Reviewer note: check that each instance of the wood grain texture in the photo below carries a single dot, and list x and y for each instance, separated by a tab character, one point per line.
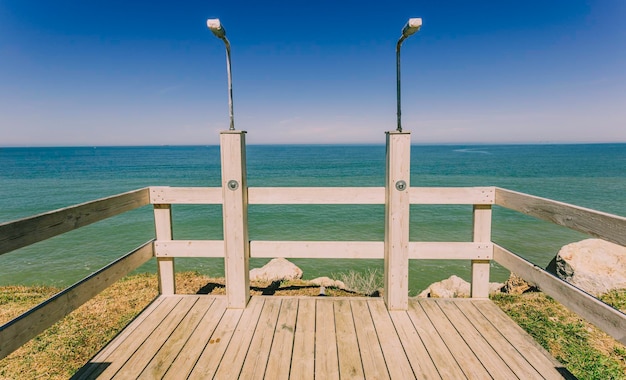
350	366
280	355
235	216
173	346
189	248
20	330
27	231
323	195
606	318
546	365
236	353
198	341
196	336
595	223
185	195
452	195
327	249
326	356
316	195
481	233
165	265
396	265
372	358
303	355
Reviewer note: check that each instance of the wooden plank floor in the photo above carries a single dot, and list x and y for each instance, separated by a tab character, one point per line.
196	337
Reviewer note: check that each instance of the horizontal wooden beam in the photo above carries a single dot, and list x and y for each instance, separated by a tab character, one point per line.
27	231
595	223
318	249
606	318
20	330
452	195
323	195
185	195
450	251
316	195
189	248
326	249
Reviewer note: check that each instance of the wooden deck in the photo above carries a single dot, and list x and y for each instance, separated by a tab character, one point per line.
195	336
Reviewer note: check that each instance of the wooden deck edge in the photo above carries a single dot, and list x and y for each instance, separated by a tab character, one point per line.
107	361
91	366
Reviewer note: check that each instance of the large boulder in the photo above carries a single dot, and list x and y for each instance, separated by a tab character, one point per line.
276	270
454	287
593	265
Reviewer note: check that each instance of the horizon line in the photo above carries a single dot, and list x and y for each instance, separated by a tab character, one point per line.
321	144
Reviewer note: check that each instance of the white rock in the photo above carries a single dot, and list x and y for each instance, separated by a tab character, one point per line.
449	288
454	287
276	270
328	282
594	265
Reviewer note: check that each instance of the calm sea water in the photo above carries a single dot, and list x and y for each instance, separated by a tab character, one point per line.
36	180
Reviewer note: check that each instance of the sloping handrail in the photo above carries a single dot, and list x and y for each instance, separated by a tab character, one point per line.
27	231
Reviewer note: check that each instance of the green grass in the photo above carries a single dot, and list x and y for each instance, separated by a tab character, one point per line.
62	349
616	298
583	349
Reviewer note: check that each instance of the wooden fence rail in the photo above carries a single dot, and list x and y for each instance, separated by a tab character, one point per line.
606	318
480	251
20	330
325	195
326	249
595	223
234	196
27	231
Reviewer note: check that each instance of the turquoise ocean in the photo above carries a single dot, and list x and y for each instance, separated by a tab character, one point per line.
37	180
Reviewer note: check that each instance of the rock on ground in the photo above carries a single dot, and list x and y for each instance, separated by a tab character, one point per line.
454	287
276	270
594	265
328	282
517	285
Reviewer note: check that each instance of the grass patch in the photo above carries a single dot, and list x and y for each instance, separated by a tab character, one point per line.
368	283
61	350
586	351
615	298
14	300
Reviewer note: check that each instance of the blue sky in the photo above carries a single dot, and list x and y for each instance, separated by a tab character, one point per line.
149	73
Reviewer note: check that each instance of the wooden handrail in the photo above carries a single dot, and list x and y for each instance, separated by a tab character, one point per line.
595	223
27	231
324	195
326	249
605	317
23	328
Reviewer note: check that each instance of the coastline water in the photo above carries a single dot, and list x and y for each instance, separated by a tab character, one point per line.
36	180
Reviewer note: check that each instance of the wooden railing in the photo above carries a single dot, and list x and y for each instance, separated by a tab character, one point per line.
476	250
396	250
595	223
27	231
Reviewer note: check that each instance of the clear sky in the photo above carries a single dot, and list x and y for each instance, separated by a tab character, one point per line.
150	73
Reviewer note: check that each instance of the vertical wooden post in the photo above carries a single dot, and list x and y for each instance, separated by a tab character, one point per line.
397	220
482	234
165	265
235	211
